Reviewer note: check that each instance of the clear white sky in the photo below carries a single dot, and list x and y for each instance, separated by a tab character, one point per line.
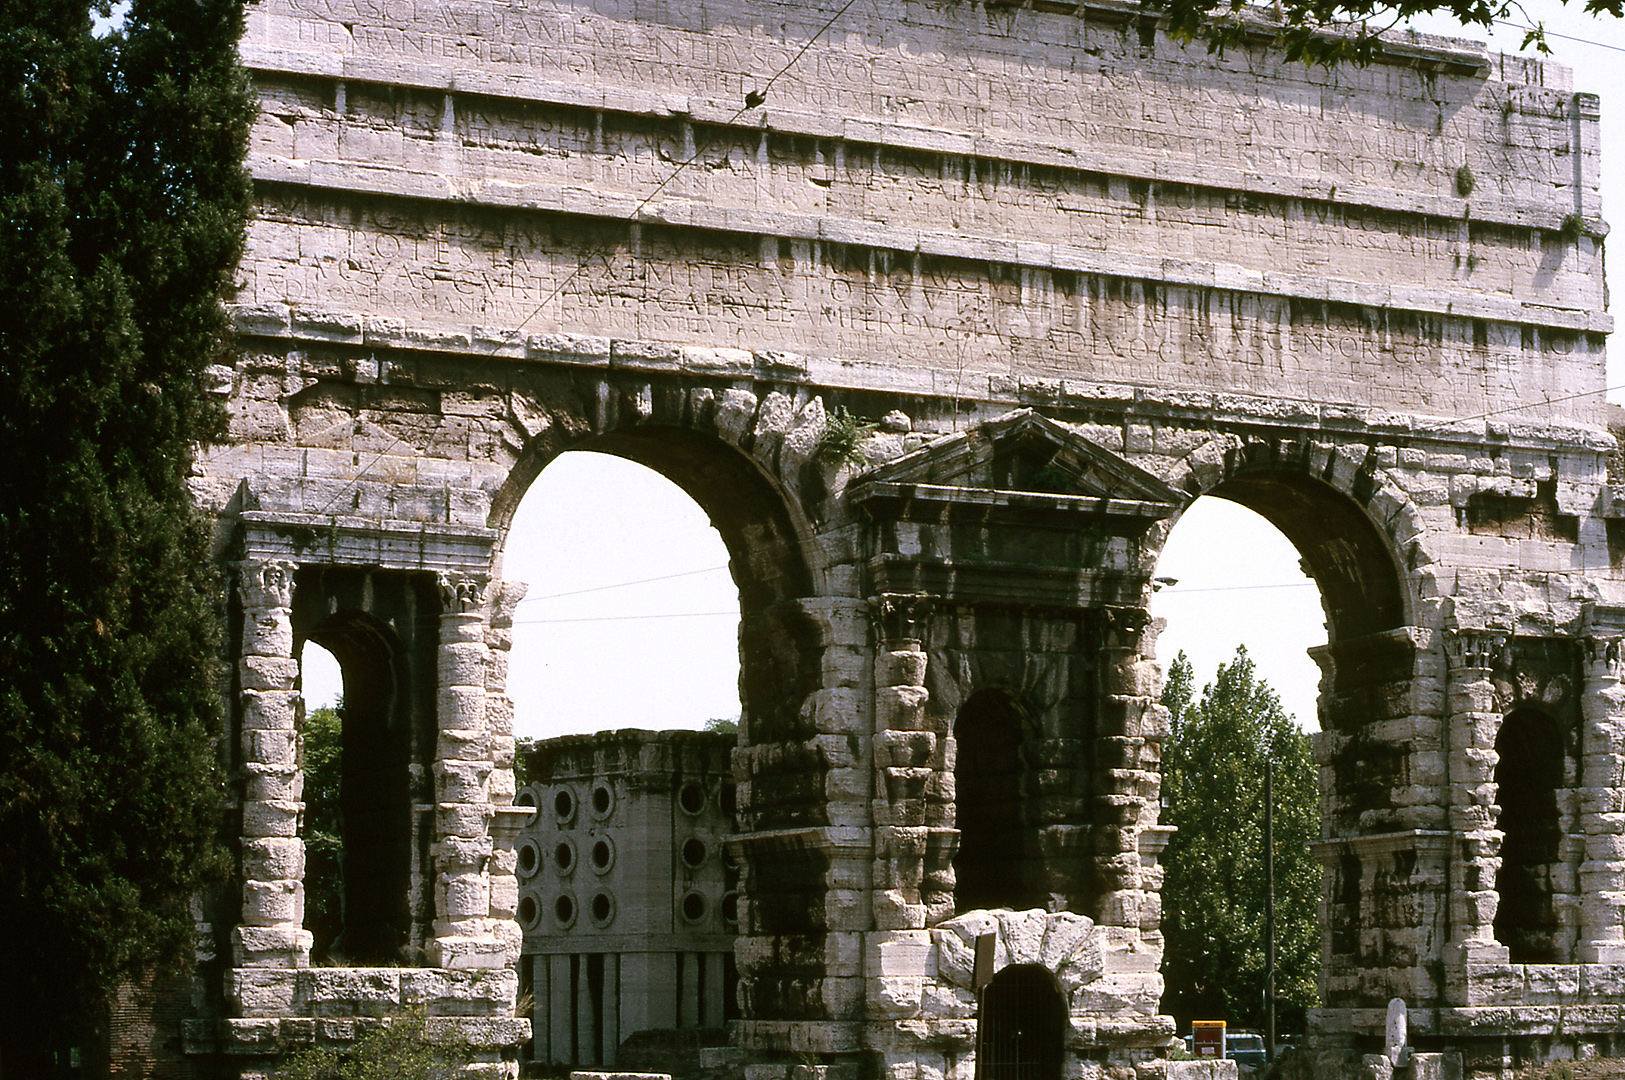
593	651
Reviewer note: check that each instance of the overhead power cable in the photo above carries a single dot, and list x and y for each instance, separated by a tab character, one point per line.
753	99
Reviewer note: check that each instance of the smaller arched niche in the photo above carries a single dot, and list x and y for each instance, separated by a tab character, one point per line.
1527	778
1022	1027
997	864
361	833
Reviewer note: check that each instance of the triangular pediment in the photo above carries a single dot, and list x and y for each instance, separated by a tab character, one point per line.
1019	457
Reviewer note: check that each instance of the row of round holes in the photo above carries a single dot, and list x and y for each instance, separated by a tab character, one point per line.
603	909
564	857
691	800
603	856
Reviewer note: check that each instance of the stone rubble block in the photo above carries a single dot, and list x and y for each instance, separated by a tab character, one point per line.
900	707
462	781
268	633
273	858
465	820
463	663
1119	993
271	747
464	953
893	998
276	673
901	668
273	903
841	996
271	818
898	953
1551	984
459	993
938	1002
1071	941
351	991
461	708
257	992
837	711
270	946
462	744
504	896
273	783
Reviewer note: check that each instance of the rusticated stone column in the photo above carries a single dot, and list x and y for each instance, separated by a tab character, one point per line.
909	756
271	931
1125	782
465	934
1474	722
508	819
1602	791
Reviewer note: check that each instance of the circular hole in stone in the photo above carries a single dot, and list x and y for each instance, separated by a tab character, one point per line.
564	804
693	907
564	856
691	797
693	853
730	908
525	798
603	800
603	855
603	909
528	910
527	859
564	911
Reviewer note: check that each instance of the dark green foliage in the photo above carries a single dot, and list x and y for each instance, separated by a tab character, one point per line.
1329	31
1213	895
122	208
323	828
405	1049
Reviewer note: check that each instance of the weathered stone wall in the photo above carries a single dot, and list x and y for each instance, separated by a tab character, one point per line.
1366	302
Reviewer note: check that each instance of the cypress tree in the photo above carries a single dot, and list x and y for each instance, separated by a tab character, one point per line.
123	203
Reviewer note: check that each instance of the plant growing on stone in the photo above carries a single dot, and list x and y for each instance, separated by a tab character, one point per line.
403	1048
124	200
842	438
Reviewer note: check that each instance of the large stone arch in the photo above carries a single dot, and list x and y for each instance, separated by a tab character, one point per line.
1380	707
465	260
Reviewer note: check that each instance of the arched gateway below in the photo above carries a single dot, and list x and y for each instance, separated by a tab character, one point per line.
944	313
1021	1031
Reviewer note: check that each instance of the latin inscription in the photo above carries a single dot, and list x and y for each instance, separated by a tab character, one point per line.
1388	127
958	318
947	194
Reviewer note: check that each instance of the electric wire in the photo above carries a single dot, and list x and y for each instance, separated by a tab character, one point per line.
753	100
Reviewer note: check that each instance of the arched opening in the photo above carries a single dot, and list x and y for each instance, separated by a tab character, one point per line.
619	561
358	825
1021	1029
995	865
1527	777
1319	580
321	684
738	542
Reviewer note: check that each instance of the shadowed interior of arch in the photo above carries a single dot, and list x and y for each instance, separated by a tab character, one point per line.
373	820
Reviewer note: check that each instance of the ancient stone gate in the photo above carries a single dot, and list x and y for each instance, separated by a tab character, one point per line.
1074	275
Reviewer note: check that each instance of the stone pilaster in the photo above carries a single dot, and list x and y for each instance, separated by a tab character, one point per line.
1125	784
508	819
270	932
1474	722
465	934
910	760
1601	795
